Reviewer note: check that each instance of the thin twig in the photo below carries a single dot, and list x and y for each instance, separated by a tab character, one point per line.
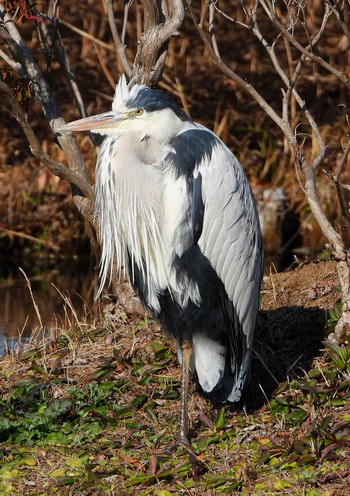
313	42
104	67
319	60
88	36
235	77
51	38
40	241
180	93
339	13
212	29
120	49
36	308
342	162
125	20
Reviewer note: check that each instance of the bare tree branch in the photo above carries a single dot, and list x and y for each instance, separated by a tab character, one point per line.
55	167
240	81
151	14
158	29
10	62
76	172
125	20
42	92
120	49
342	161
341	13
269	9
49	39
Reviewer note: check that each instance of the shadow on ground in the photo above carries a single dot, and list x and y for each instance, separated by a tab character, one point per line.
287	340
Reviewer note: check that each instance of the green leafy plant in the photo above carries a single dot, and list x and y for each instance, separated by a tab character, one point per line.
334	315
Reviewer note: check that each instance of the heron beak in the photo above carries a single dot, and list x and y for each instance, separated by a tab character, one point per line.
108	120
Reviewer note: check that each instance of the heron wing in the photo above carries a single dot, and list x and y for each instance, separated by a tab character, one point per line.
225	222
225	227
230	235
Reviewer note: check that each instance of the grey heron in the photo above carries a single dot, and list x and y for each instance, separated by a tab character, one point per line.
177	214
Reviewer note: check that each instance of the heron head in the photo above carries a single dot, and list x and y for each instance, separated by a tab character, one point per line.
135	107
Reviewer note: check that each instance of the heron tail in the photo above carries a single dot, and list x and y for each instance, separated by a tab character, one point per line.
218	373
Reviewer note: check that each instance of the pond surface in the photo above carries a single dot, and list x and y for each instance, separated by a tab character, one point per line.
73	278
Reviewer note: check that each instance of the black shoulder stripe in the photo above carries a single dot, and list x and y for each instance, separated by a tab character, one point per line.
190	148
197	209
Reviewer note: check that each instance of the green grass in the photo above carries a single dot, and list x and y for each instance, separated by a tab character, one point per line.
108	425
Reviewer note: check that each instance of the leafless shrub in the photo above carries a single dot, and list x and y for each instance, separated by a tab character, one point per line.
291	33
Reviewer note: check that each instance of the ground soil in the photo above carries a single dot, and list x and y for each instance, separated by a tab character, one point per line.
313	284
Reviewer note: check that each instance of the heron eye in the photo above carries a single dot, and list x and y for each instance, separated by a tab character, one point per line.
139	111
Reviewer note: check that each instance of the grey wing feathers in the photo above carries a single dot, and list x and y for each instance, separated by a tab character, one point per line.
230	237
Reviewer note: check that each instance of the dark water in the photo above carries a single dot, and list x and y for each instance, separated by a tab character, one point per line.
74	278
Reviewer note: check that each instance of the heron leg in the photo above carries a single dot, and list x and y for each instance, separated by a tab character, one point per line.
186	350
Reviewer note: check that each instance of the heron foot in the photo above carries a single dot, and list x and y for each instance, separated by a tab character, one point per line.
182	438
198	468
